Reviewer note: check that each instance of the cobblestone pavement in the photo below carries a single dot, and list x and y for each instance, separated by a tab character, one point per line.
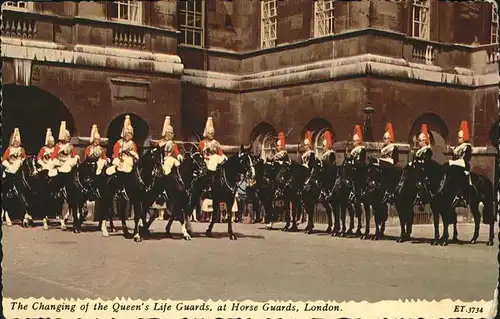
260	265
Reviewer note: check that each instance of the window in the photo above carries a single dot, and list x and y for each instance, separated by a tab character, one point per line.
420	19
192	22
268	24
318	143
18	5
268	146
494	24
323	17
126	10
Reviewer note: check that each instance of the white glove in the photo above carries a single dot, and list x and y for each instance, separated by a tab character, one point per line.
180	158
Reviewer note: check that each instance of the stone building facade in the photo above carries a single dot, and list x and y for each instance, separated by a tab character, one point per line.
257	67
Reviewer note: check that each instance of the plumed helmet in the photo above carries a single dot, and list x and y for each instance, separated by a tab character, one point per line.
327	140
64	134
167	127
16	136
424	133
127	126
389	132
308	138
48	137
281	140
464	131
357	136
209	127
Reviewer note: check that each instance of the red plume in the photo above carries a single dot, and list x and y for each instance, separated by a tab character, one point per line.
464	127
281	138
423	130
309	136
357	131
388	128
328	139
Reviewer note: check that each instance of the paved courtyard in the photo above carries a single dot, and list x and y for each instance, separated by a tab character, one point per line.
260	265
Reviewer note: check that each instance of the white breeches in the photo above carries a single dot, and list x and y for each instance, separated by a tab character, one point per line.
12	168
124	166
234	209
213	161
65	166
387	159
207	205
458	162
169	163
100	165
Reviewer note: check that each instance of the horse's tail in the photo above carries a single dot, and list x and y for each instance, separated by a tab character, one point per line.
486	202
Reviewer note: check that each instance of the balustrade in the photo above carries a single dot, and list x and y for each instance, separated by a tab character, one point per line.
492	55
130	38
423	52
18	27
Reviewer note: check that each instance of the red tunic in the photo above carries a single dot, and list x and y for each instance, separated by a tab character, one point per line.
5	156
117	147
56	152
88	152
42	152
202	147
176	150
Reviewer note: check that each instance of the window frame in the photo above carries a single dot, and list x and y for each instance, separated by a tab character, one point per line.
14	6
129	4
271	22
185	27
330	19
425	10
268	146
494	24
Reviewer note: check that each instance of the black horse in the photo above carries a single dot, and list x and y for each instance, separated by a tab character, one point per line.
312	191
481	197
419	182
379	182
263	191
347	194
224	183
170	189
14	201
290	180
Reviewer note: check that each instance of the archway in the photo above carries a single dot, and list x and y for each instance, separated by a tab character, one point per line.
263	139
318	126
141	131
33	110
438	132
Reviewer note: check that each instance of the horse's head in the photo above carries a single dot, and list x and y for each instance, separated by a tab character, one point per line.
282	181
373	179
246	163
28	166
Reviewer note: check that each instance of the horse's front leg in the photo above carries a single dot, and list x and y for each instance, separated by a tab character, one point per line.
435	216
359	214
119	207
230	232
76	214
287	213
139	221
366	235
443	241
5	214
310	224
328	210
168	226
213	218
183	220
296	212
402	222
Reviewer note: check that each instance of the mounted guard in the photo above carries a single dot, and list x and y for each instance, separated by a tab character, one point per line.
462	155
210	148
14	154
425	151
167	136
328	155
124	151
64	156
43	157
95	151
308	149
281	156
358	153
389	157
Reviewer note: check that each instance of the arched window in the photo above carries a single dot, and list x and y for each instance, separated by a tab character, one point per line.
318	143
268	148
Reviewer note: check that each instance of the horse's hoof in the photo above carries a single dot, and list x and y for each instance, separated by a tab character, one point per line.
208	233
329	229
435	242
137	239
63	228
285	228
400	240
105	234
358	233
168	235
112	230
45	227
489	243
444	243
376	237
232	237
473	241
309	232
454	240
187	237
